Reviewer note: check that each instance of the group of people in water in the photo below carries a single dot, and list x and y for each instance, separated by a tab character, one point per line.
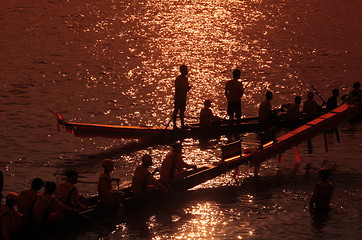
31	207
234	90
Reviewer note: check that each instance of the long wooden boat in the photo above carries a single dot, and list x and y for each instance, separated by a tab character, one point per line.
249	124
232	157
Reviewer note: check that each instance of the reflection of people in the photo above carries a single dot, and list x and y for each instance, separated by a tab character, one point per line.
332	102
173	167
322	192
234	90
181	88
310	106
28	196
106	194
9	216
67	192
207	118
143	180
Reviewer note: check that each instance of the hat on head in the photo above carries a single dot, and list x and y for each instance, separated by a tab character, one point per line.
108	163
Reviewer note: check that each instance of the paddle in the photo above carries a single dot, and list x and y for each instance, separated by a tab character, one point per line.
324	102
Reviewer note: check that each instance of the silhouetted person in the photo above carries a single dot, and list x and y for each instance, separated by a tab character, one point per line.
293	109
332	102
181	88
234	90
265	108
10	218
143	180
67	192
322	193
27	198
207	118
310	106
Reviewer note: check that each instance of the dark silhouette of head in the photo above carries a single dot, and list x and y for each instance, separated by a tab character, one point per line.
323	174
184	70
72	176
207	103
49	187
37	184
298	100
236	74
269	95
310	95
335	92
356	85
147	160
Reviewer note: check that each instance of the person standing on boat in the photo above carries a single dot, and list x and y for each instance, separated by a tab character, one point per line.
47	208
322	193
181	88
332	102
207	118
106	194
143	180
27	198
234	90
173	167
310	106
10	218
67	192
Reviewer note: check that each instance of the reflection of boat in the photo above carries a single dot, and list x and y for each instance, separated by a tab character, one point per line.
232	157
250	124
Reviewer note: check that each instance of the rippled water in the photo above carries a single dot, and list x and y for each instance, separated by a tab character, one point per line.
114	62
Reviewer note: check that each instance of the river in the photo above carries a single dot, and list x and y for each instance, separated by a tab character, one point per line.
114	62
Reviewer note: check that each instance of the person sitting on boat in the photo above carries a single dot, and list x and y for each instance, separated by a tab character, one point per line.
310	106
143	180
173	167
355	95
266	114
322	192
181	89
332	102
293	109
47	208
107	195
27	198
10	218
207	118
234	90
67	192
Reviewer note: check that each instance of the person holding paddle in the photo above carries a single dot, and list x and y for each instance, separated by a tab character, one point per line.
181	89
234	90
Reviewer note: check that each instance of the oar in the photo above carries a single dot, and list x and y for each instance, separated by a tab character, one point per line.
324	102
